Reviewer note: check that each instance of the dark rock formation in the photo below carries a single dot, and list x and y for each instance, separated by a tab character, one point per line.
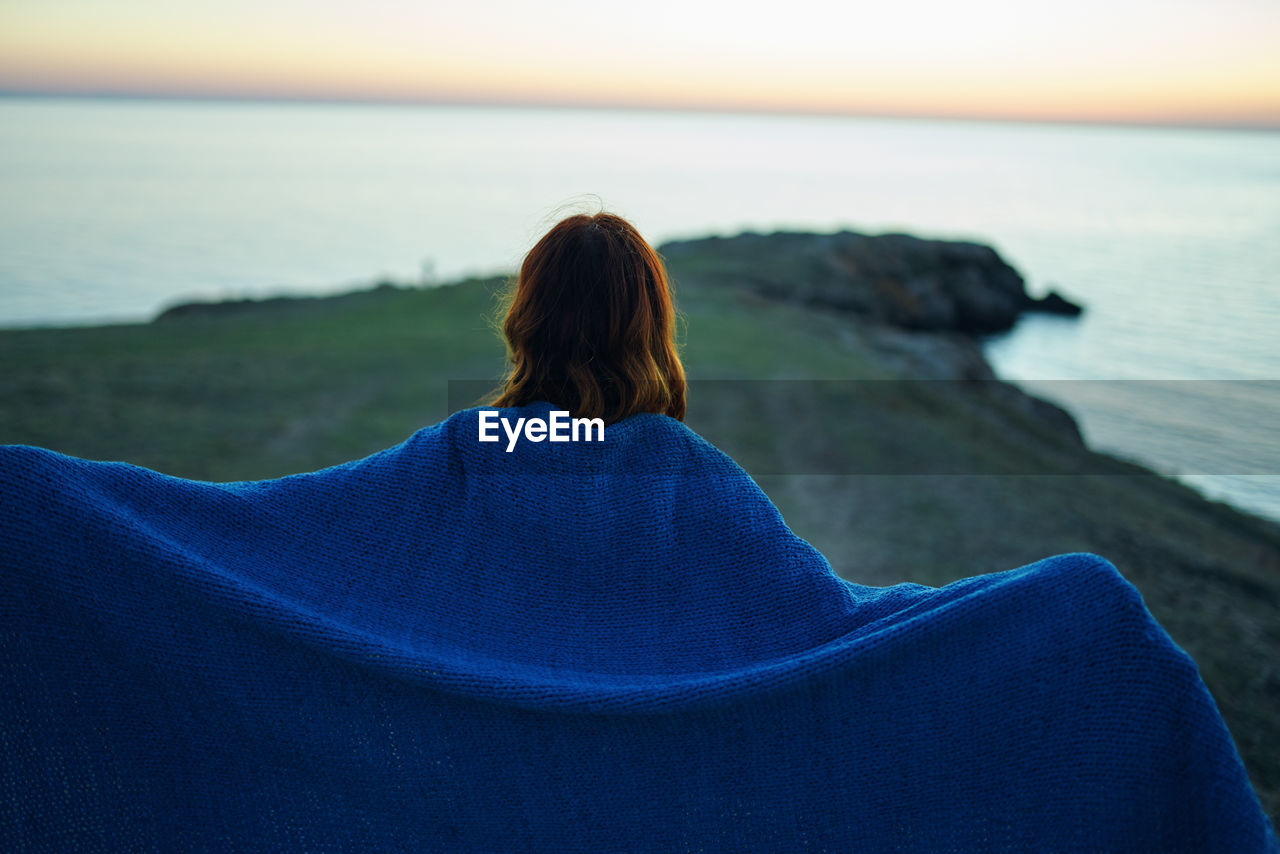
1055	303
897	286
897	279
222	308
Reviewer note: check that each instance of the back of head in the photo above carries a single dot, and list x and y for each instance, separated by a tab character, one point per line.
591	325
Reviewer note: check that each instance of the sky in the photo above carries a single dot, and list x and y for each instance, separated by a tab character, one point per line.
1157	61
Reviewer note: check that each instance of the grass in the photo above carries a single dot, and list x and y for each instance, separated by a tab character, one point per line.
250	394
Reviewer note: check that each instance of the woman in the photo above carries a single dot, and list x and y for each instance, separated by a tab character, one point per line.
604	642
591	326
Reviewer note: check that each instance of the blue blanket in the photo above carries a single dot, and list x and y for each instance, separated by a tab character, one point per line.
616	645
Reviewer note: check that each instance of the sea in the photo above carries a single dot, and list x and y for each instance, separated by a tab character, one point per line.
113	209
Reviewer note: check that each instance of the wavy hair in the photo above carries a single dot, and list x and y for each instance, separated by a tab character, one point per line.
590	324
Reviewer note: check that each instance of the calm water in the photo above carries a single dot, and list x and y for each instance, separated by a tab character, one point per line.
114	209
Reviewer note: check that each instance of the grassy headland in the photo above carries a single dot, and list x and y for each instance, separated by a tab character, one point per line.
892	478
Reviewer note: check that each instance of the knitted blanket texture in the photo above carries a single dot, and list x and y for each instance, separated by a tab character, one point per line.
565	647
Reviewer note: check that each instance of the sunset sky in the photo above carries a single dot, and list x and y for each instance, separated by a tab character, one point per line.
1172	61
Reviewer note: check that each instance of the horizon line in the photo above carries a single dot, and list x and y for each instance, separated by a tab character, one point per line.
620	106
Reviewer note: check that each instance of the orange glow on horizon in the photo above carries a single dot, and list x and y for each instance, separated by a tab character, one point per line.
1011	75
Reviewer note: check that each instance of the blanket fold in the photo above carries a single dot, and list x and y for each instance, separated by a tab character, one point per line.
574	646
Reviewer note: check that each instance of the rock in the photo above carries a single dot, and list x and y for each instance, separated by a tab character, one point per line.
897	286
226	307
896	279
217	309
1055	303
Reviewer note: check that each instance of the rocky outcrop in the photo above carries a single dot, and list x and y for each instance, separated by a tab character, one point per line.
1055	303
221	308
896	279
894	287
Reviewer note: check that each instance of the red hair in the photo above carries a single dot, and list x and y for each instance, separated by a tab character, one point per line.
590	326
